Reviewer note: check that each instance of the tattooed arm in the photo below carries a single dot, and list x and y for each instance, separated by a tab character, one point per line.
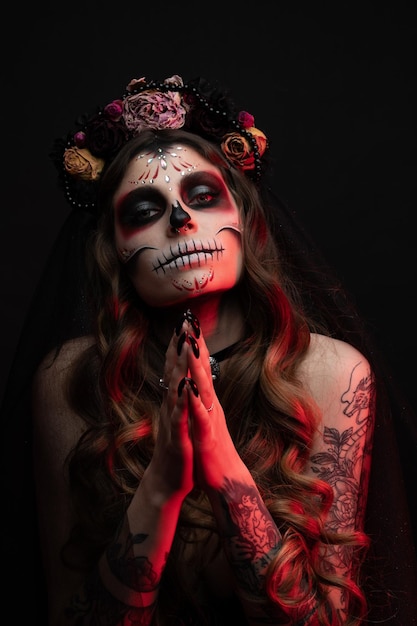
123	590
340	381
123	587
250	536
341	453
251	540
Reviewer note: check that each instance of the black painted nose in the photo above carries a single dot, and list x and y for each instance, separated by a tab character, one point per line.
178	217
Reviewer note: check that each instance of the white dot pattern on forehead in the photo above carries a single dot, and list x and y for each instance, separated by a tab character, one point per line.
159	160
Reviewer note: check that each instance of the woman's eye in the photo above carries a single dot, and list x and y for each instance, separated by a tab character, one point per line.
139	214
202	197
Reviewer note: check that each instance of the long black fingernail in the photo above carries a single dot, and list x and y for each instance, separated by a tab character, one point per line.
194	346
180	344
181	387
193	386
194	321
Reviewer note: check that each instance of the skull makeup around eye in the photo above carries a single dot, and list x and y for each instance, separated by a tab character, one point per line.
179	238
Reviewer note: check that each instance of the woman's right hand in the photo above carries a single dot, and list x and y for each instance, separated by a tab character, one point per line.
171	468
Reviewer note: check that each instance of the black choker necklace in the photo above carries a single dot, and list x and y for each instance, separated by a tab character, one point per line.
218	357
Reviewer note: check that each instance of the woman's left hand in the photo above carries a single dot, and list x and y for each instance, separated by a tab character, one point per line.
215	456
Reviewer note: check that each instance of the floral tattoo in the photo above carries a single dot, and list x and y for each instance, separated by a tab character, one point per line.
253	537
344	465
97	603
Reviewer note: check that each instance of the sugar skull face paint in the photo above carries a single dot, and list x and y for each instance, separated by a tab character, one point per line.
177	227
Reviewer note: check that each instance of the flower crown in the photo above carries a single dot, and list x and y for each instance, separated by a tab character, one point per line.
195	106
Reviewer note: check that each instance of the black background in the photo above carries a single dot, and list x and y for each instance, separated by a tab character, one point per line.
331	84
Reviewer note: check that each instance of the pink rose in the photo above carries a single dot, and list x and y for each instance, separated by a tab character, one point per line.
153	109
134	83
114	110
246	119
174	81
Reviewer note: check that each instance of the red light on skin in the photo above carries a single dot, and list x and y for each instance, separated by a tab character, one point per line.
178	234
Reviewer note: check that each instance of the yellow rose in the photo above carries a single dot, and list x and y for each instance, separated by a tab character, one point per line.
238	150
261	139
80	163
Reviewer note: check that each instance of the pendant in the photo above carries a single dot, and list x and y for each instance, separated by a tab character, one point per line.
215	368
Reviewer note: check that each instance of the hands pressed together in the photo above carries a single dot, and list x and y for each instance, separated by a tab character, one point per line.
193	445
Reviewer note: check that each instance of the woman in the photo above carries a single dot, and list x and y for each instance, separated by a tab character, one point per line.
202	448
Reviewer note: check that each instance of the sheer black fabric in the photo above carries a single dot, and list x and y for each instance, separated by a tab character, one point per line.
59	311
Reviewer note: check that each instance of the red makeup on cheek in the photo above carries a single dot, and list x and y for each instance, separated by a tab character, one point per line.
126	232
124	229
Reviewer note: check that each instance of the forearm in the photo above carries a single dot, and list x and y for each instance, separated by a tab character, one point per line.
251	540
123	589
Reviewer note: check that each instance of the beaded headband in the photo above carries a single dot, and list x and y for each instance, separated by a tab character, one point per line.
195	106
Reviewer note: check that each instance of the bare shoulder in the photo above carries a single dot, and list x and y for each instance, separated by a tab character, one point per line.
51	375
339	378
332	355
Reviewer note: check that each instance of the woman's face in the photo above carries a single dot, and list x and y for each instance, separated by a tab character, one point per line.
177	227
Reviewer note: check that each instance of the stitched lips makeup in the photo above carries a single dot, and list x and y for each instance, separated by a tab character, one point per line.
177	229
188	254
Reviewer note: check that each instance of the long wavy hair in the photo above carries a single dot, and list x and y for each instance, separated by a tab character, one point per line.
271	419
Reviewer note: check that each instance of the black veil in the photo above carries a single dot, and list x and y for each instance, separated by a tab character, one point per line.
59	311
